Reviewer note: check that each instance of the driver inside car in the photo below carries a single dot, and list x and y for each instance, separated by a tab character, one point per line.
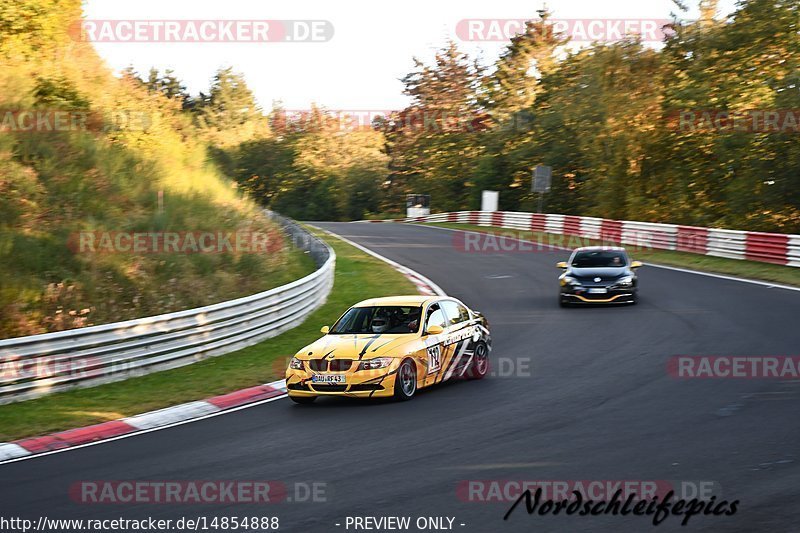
380	323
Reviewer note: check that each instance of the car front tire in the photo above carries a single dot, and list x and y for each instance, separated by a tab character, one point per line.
405	384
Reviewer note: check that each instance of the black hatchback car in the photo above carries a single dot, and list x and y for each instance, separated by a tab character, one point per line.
598	275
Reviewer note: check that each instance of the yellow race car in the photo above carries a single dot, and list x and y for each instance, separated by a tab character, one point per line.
392	347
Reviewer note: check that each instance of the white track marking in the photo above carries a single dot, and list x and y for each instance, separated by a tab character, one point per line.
142	432
767	284
403	269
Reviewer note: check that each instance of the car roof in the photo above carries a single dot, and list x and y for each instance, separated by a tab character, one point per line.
600	248
412	300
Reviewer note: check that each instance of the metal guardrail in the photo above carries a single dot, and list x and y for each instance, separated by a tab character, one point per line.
36	365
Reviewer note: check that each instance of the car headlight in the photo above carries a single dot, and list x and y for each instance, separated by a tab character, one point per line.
625	281
569	280
295	364
374	364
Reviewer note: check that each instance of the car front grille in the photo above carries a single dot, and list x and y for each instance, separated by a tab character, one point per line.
340	365
333	365
336	387
328	387
366	387
318	364
597	296
590	282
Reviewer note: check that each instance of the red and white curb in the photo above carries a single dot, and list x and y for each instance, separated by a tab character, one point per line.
170	416
182	413
423	287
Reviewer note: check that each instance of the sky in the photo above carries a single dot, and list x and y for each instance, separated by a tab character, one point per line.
360	67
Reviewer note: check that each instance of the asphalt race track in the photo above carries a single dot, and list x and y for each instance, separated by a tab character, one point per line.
588	398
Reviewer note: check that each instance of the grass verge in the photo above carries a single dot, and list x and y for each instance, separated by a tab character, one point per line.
720	265
358	276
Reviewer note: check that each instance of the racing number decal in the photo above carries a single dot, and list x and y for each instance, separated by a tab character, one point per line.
434	358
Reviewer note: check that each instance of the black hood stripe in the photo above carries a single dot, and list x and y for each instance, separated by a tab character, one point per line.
366	346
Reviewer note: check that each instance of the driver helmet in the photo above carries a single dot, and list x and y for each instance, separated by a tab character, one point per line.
380	323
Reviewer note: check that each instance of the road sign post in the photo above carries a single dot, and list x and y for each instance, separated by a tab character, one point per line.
418	205
489	200
542	179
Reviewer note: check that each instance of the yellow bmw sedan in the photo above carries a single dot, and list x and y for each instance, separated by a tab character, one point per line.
391	347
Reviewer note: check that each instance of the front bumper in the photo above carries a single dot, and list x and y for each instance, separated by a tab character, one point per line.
612	296
358	384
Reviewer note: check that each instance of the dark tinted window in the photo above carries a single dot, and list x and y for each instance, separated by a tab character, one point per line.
599	259
378	319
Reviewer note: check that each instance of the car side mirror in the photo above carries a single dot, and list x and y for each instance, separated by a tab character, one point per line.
434	330
636	264
562	264
324	330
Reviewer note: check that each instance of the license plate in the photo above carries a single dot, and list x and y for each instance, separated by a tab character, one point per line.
598	291
328	378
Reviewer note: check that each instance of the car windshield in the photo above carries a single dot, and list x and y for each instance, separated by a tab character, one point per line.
379	319
599	259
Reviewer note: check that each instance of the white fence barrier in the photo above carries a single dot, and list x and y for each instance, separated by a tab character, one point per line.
778	248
